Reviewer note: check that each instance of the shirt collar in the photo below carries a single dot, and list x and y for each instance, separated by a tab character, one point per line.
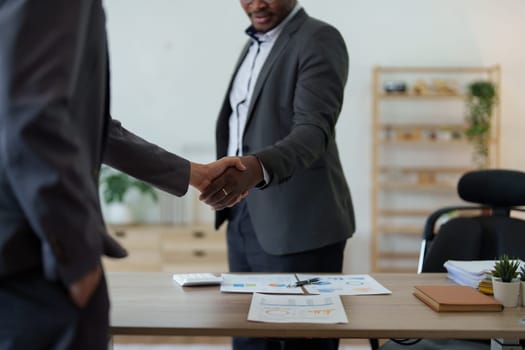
272	35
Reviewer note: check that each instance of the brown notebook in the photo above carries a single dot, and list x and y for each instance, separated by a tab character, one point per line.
456	298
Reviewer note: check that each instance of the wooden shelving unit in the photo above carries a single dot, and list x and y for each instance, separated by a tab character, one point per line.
419	151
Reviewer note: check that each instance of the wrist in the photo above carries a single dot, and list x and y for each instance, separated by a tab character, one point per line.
196	174
254	167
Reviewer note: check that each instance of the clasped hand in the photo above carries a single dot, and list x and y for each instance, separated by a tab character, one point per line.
228	188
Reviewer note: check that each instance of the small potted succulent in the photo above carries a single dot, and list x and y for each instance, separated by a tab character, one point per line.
505	281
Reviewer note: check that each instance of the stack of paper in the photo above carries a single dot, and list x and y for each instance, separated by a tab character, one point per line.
468	272
473	273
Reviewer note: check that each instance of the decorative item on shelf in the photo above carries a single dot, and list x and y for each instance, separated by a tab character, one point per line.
409	135
456	134
420	88
481	98
426	177
429	134
388	133
444	134
444	87
395	87
522	279
115	185
505	281
432	135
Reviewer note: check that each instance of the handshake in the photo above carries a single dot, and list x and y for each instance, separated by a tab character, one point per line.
225	182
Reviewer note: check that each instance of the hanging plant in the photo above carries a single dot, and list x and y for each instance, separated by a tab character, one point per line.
481	98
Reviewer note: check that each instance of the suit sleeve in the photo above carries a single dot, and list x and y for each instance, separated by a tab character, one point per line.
41	45
321	77
139	158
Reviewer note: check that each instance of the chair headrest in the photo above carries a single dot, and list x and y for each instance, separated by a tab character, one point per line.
493	187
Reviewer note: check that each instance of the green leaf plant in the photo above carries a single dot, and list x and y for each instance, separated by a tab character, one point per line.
115	185
506	268
481	99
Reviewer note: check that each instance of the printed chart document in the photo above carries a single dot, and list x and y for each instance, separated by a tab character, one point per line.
344	285
262	283
297	309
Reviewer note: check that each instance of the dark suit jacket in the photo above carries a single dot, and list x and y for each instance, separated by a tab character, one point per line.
291	129
54	127
148	162
54	114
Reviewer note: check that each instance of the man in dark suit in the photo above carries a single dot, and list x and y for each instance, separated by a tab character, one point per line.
280	113
54	123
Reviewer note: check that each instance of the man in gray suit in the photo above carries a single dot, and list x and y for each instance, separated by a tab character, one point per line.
54	123
280	113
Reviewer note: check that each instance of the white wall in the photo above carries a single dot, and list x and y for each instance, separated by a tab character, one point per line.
172	59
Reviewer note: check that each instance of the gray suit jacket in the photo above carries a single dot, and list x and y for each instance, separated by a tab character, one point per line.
291	129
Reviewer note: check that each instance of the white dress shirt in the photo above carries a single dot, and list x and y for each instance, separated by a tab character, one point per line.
245	79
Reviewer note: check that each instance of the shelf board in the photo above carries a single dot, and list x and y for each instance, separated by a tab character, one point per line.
401	96
404	212
418	187
425	142
396	269
400	230
433	169
405	126
398	255
434	70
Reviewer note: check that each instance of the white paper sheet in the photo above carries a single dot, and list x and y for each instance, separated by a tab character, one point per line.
344	285
262	283
297	309
470	272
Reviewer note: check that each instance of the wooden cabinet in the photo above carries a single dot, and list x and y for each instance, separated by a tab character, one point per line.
419	151
170	248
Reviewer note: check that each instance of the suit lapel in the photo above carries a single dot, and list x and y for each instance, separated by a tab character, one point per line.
277	50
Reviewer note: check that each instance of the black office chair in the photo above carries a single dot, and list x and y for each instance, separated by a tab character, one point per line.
486	233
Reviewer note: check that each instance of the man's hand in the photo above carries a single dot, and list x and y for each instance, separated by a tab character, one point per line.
201	175
82	290
233	185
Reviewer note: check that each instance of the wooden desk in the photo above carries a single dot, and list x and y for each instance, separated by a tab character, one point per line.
151	303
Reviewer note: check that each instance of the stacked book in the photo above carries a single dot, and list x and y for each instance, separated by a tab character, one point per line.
485	286
456	298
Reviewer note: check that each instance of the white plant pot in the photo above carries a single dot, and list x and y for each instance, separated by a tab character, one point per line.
507	293
522	292
118	214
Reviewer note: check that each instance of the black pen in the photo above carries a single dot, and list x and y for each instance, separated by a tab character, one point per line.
303	282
